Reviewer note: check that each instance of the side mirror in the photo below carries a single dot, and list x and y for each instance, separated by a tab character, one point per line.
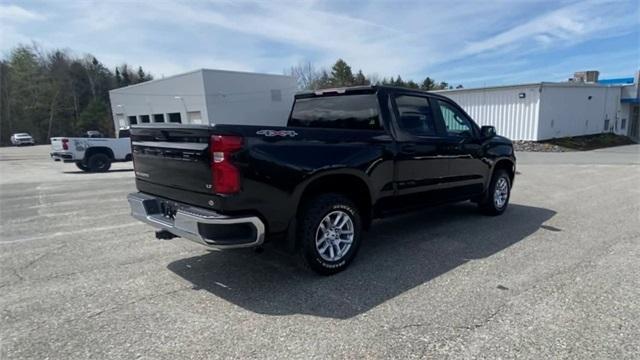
487	131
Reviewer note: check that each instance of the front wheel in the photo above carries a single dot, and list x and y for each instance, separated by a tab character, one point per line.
498	194
330	233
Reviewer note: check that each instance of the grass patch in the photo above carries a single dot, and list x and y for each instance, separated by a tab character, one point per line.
590	142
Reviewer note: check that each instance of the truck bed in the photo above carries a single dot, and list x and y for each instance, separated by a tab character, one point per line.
175	162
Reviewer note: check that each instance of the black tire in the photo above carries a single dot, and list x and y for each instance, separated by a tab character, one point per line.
99	163
82	166
313	213
490	205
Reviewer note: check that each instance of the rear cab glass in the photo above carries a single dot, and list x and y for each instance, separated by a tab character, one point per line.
357	112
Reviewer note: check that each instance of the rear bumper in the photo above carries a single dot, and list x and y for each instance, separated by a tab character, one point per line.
62	156
203	226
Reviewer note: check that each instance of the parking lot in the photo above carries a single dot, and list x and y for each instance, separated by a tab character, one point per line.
557	276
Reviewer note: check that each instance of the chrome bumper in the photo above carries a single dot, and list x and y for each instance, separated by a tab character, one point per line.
62	156
205	227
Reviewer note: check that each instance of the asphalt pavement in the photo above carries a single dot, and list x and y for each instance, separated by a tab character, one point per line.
557	276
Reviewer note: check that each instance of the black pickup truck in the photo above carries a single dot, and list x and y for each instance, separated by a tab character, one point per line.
347	156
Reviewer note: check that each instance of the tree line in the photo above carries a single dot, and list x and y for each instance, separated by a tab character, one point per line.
341	74
54	93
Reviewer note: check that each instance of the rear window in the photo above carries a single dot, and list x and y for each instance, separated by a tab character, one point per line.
337	112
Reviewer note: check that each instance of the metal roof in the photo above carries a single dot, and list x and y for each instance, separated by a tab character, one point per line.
539	84
193	72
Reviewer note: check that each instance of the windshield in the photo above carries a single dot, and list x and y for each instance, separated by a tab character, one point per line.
22	134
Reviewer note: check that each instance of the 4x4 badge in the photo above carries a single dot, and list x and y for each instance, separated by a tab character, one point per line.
283	133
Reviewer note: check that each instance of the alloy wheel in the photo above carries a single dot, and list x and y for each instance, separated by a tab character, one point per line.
334	235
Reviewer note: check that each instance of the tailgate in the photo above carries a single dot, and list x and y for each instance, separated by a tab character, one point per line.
56	144
173	157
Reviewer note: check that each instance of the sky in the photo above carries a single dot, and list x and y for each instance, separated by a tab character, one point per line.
468	42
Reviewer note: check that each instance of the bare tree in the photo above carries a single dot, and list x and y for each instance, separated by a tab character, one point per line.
306	75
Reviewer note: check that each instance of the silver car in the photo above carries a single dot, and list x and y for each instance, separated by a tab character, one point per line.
22	139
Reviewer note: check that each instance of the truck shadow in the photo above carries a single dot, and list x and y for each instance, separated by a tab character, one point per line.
397	255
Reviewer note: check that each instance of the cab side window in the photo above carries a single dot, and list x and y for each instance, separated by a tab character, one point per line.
414	115
456	123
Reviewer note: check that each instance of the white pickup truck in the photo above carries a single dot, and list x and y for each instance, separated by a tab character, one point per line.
93	153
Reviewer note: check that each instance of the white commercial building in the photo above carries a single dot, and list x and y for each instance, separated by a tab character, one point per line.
552	110
206	97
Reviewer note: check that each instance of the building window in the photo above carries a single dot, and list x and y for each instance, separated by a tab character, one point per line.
133	120
175	118
158	118
194	117
276	95
623	124
144	119
606	124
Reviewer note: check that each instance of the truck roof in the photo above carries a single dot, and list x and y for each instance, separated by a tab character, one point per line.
361	89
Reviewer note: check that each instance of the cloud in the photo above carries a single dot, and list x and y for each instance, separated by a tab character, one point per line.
571	23
16	13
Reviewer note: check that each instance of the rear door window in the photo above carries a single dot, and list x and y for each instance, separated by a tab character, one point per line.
359	111
415	116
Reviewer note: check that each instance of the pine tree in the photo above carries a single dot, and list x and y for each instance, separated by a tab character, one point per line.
399	82
118	78
341	74
412	85
142	77
126	75
428	84
360	79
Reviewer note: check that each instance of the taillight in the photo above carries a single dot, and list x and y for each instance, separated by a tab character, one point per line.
65	144
226	177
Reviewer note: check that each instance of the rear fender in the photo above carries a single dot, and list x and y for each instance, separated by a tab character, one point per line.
320	175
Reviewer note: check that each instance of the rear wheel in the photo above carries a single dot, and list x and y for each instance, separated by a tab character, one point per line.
99	163
82	166
330	233
498	194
